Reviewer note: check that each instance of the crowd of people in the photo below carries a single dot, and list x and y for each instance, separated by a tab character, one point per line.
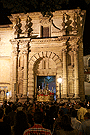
49	118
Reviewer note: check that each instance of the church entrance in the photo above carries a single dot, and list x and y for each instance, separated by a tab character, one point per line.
46	87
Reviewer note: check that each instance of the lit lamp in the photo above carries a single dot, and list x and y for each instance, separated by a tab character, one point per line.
59	81
7	94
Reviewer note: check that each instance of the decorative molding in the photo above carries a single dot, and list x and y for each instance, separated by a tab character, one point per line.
45	20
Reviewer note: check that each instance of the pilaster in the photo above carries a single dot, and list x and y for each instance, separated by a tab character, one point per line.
76	82
24	49
15	67
64	74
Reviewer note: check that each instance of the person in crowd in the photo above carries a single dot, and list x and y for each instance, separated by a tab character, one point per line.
37	128
8	108
4	128
81	112
84	128
66	128
12	114
75	123
6	120
64	108
46	117
20	123
57	122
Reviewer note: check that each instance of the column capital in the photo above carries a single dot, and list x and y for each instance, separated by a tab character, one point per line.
24	46
24	42
15	52
73	40
64	50
75	48
25	51
14	42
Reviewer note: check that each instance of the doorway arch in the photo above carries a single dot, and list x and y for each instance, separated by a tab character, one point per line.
43	64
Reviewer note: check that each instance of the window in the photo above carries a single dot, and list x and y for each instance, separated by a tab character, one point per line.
45	31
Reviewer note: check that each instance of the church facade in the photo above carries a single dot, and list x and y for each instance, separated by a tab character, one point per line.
36	46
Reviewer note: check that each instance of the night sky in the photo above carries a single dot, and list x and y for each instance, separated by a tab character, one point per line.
86	35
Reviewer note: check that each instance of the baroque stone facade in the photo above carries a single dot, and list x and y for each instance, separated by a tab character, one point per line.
34	45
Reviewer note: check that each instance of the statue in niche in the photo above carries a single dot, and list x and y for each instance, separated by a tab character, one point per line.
18	26
28	26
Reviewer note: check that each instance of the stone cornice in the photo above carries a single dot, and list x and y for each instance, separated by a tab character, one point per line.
47	40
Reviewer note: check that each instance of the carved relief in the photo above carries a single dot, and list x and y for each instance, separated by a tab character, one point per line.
45	20
18	26
28	26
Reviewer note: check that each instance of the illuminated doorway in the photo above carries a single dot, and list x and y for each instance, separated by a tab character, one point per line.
43	81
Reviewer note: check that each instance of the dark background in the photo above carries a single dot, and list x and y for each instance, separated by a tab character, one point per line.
6	8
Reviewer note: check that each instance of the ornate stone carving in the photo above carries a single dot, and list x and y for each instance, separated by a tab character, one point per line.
75	48
28	26
18	26
15	44
24	46
64	50
74	23
45	20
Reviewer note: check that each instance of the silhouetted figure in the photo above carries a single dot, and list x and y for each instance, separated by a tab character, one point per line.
20	123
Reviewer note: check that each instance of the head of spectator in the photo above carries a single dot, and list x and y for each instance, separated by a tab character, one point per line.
66	123
20	123
38	117
64	105
14	108
60	113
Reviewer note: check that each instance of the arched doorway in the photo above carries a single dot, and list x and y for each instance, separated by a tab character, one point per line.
43	64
